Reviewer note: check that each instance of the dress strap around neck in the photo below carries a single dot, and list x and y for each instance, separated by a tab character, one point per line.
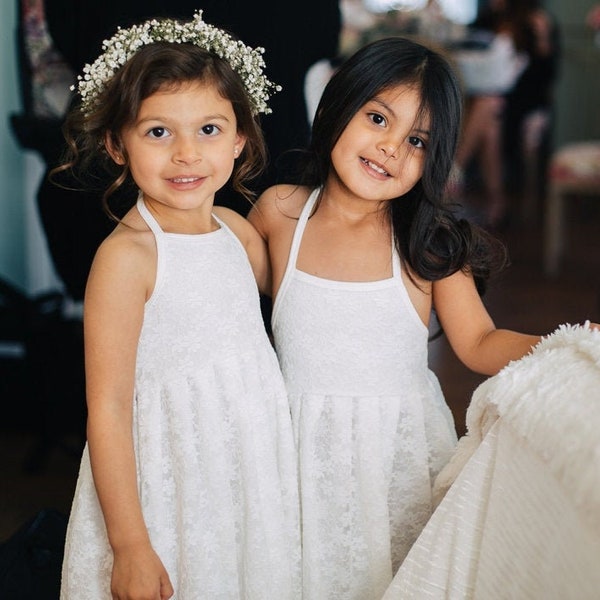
296	239
396	262
300	226
147	216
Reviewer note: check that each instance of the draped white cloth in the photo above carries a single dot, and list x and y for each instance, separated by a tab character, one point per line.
521	515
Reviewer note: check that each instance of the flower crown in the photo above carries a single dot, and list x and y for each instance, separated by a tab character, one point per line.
246	61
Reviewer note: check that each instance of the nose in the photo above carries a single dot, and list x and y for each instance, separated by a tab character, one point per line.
389	148
186	151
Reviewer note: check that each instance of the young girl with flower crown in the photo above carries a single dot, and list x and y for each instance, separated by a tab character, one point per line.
362	253
187	487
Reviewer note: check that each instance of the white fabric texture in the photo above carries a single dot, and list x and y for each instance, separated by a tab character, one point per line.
373	429
520	519
216	460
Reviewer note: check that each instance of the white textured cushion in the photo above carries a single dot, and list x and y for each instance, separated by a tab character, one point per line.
521	517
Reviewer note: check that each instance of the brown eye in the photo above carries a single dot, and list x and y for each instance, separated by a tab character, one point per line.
157	132
415	141
377	118
210	130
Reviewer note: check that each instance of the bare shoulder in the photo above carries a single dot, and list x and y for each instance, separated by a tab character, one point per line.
228	215
278	204
125	244
236	222
128	254
275	216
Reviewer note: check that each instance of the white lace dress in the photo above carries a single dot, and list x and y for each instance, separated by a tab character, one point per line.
216	461
372	426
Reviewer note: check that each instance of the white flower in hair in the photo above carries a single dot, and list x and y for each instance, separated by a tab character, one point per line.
246	61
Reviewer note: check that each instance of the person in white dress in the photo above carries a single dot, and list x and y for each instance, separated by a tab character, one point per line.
364	249
188	483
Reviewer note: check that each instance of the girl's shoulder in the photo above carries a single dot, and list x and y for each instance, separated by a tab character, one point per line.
238	224
281	202
124	267
229	216
129	247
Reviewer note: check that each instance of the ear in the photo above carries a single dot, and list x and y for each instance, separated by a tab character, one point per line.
240	142
113	151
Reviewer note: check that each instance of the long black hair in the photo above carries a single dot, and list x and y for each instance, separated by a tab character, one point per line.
428	234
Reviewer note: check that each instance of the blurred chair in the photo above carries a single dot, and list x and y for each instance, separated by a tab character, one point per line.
574	169
520	517
535	134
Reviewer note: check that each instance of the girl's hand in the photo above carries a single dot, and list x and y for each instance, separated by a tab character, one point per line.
138	574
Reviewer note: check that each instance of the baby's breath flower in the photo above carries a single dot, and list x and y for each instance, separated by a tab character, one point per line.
246	61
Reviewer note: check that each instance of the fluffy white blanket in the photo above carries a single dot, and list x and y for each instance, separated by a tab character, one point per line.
551	398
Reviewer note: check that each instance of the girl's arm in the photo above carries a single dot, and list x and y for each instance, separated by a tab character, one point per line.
470	329
255	246
472	332
275	215
113	312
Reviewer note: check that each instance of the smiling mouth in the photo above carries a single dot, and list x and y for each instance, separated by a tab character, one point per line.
375	167
184	179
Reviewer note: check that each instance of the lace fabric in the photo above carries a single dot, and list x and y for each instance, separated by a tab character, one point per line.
372	427
214	445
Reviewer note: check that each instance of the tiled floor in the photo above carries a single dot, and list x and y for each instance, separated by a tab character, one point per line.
522	298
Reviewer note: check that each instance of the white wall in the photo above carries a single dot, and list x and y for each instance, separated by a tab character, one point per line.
578	88
12	245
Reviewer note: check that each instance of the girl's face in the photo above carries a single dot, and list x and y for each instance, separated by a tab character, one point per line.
381	152
182	146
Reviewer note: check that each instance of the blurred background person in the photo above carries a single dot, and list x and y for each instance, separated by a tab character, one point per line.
501	128
593	20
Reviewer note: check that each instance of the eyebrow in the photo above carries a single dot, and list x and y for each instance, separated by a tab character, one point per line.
207	118
383	104
424	131
390	110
